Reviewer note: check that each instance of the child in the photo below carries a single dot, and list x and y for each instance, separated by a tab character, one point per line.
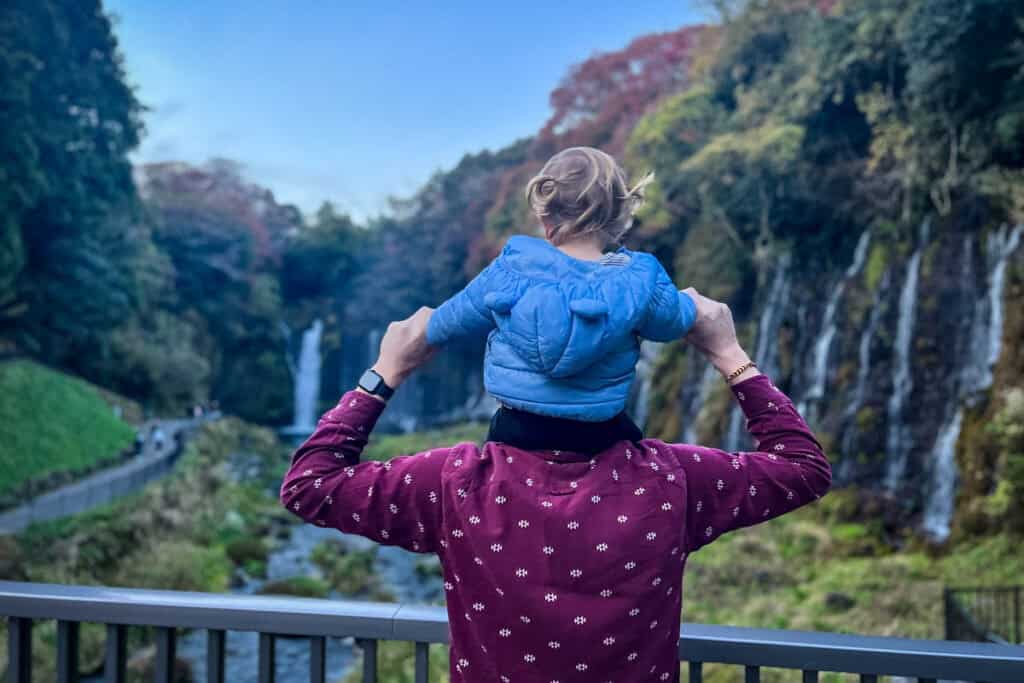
562	318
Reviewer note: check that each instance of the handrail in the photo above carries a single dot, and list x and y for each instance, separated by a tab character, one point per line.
369	622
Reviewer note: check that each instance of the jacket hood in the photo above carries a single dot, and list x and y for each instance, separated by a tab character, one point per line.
561	314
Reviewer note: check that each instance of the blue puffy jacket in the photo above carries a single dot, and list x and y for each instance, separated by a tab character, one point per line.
563	334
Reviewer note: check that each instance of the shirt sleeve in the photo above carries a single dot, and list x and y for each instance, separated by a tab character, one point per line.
726	491
670	313
397	502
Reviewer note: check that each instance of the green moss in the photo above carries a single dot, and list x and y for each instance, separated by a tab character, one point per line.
350	572
247	549
877	262
51	422
299	586
177	565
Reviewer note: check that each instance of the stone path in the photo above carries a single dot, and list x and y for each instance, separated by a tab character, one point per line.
105	485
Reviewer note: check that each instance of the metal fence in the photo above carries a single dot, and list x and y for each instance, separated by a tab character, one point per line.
984	614
167	611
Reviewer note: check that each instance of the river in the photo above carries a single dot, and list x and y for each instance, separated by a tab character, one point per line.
396	567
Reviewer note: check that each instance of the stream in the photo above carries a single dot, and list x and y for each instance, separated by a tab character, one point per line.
396	567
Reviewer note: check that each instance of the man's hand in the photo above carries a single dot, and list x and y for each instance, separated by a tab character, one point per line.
404	348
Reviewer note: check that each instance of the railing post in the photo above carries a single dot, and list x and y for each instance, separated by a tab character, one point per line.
113	663
947	614
1016	615
422	662
19	650
696	670
67	652
165	655
369	660
215	656
317	659
266	658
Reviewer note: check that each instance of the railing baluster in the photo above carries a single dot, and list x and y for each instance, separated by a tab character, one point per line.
215	656
369	660
751	674
696	672
19	650
67	652
267	663
113	663
925	680
810	676
868	678
317	659
422	662
165	655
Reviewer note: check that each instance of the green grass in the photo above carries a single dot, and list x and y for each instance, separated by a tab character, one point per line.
391	445
51	422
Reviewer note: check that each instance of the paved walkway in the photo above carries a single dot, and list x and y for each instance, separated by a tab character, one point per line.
105	485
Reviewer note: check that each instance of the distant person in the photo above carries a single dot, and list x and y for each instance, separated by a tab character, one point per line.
564	316
139	444
561	560
157	436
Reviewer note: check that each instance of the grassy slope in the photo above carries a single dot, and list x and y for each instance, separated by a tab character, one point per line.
51	422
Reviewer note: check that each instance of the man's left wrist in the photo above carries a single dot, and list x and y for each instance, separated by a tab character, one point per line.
390	375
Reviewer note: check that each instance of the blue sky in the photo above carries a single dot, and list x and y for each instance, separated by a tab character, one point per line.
352	102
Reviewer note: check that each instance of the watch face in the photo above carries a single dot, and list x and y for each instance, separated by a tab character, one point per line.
371	381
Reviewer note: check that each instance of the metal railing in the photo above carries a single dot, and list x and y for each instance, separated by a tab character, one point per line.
984	614
368	623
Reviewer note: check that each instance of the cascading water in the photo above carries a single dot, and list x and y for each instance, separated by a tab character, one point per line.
307	381
644	376
822	346
766	353
898	439
693	407
976	375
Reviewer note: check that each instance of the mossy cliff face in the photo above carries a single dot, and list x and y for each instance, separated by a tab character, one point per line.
945	345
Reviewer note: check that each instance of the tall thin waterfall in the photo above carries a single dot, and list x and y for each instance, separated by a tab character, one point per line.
766	353
976	376
307	380
693	407
644	377
938	511
819	368
898	440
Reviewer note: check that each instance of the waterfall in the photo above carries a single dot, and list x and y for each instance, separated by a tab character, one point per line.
976	376
693	407
1002	247
938	510
898	440
766	352
645	374
822	346
860	387
307	380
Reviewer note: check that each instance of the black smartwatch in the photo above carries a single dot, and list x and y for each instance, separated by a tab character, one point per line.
373	383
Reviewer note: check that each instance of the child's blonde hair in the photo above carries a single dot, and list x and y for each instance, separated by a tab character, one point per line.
583	191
